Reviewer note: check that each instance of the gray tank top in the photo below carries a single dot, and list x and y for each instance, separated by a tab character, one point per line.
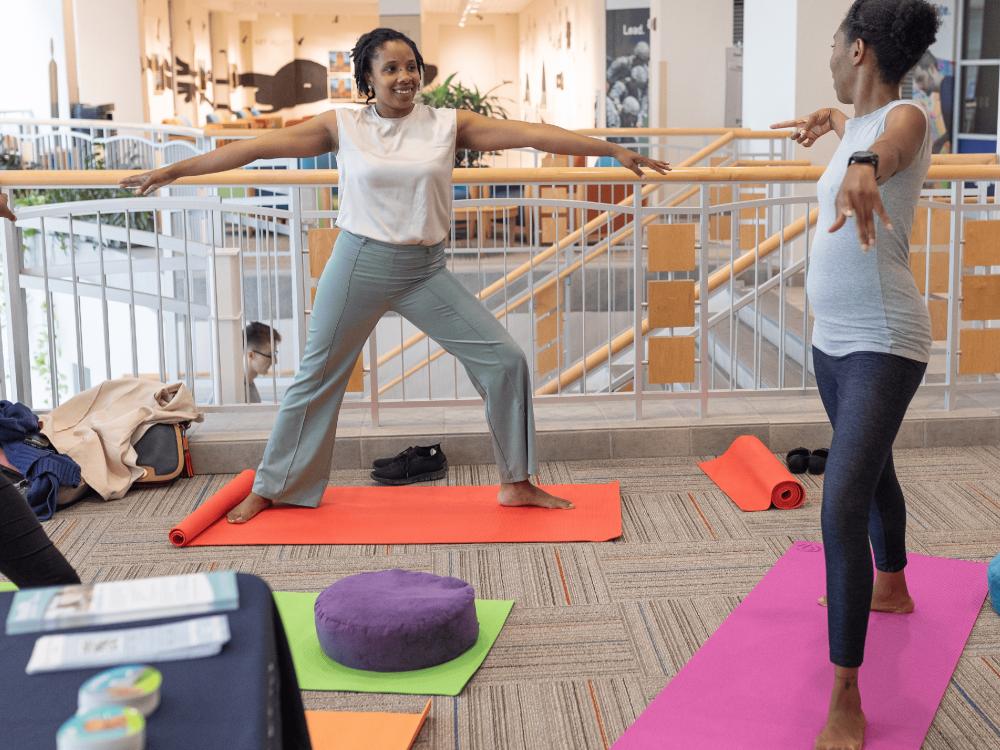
868	301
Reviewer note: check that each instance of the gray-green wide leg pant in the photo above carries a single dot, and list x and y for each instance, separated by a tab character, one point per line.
363	280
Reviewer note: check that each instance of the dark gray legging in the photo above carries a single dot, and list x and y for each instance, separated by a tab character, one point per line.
27	555
866	395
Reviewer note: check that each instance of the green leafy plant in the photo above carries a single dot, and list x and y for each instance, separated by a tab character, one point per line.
457	96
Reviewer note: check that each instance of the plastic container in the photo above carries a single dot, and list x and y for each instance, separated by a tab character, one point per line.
135	685
109	728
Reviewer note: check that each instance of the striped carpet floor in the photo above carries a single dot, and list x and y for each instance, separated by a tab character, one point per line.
597	629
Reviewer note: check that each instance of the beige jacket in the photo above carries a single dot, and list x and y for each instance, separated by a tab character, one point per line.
98	428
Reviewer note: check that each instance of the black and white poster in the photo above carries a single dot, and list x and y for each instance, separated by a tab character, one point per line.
627	69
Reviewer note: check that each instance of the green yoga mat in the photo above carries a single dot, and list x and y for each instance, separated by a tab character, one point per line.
316	671
7	586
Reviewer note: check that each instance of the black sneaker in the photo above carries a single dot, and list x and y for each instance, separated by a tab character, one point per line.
379	463
416	464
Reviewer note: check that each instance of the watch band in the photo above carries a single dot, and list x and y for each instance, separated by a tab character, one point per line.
864	157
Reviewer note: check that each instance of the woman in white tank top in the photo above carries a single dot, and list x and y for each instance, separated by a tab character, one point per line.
395	159
871	335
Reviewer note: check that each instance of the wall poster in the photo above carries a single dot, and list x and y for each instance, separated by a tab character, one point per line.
934	79
627	69
340	80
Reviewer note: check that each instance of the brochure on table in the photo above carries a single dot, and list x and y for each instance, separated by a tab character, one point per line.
61	607
187	639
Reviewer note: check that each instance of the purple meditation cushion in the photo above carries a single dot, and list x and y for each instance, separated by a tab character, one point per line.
396	620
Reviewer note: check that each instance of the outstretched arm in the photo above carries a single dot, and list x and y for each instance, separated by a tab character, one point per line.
311	138
481	133
808	129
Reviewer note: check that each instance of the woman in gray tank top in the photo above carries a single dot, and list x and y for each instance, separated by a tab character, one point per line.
872	335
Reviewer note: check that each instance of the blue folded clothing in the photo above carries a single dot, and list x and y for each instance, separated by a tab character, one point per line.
46	471
17	421
30	453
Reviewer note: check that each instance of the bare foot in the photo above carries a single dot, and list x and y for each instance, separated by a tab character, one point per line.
889	594
249	508
514	494
845	723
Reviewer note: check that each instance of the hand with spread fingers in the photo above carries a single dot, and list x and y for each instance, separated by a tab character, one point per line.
148	182
809	129
5	212
632	160
859	198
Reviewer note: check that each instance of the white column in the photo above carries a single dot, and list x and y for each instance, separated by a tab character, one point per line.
687	69
26	31
786	64
769	74
107	34
226	331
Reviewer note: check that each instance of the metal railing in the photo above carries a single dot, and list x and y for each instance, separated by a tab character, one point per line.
58	144
164	286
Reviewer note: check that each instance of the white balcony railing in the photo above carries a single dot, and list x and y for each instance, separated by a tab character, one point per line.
164	286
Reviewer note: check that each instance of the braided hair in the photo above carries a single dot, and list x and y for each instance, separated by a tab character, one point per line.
899	31
365	49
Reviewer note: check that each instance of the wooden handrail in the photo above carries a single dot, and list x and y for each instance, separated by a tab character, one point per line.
715	280
771	163
680	132
221	130
957	159
42	178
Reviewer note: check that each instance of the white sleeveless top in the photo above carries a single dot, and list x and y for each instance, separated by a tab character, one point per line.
395	174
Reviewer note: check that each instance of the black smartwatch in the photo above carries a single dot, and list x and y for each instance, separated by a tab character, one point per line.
864	157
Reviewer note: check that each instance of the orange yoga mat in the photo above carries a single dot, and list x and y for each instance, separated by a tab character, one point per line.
405	515
753	478
345	730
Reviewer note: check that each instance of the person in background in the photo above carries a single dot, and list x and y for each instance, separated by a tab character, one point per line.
930	79
262	351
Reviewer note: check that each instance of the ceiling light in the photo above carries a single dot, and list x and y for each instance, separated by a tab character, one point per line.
471	7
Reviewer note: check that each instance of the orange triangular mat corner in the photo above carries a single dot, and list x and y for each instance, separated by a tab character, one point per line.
406	515
345	730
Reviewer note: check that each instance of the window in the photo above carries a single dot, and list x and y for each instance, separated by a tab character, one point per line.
982	30
980	86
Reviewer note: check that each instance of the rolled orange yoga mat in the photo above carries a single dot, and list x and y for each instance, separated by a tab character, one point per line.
753	478
405	515
213	509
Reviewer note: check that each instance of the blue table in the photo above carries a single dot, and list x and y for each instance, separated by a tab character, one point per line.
245	698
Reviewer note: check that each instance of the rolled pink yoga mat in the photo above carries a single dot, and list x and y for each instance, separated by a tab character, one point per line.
762	680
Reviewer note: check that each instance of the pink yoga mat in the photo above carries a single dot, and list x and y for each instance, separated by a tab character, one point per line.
762	681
